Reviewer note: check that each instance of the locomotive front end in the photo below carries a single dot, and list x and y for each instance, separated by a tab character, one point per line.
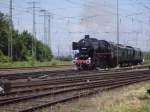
79	62
83	59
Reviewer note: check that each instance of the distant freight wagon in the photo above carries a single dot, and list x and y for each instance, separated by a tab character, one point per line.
95	53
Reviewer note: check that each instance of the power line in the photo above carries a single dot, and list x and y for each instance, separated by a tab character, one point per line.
34	28
117	32
10	39
89	5
49	30
45	31
44	26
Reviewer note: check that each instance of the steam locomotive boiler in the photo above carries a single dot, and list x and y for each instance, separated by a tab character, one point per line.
93	53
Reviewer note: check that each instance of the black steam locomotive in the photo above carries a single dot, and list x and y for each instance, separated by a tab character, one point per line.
95	53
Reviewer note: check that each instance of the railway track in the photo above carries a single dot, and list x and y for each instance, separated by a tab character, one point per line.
61	82
37	74
28	68
33	74
67	85
63	91
84	76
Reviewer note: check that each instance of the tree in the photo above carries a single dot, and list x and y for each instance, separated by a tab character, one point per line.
4	33
43	52
22	43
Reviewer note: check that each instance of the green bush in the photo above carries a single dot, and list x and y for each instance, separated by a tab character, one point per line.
53	63
1	53
5	59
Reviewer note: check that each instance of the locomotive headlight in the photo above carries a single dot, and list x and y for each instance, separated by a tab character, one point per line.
89	58
75	60
88	61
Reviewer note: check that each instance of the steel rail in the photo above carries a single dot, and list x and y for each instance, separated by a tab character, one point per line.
73	78
84	86
68	98
66	83
99	81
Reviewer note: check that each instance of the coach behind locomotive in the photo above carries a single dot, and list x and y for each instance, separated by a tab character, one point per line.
95	53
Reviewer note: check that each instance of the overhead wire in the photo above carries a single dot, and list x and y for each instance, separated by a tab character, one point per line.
139	21
78	17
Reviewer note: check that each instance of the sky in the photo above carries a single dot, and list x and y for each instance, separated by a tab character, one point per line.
72	19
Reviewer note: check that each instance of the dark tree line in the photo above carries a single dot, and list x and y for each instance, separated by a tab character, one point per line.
22	44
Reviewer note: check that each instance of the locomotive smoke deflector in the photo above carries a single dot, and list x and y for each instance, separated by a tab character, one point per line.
74	46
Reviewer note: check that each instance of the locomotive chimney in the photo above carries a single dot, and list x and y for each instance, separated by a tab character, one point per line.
87	36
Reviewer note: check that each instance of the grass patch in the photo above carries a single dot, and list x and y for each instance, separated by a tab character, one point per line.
53	62
133	98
